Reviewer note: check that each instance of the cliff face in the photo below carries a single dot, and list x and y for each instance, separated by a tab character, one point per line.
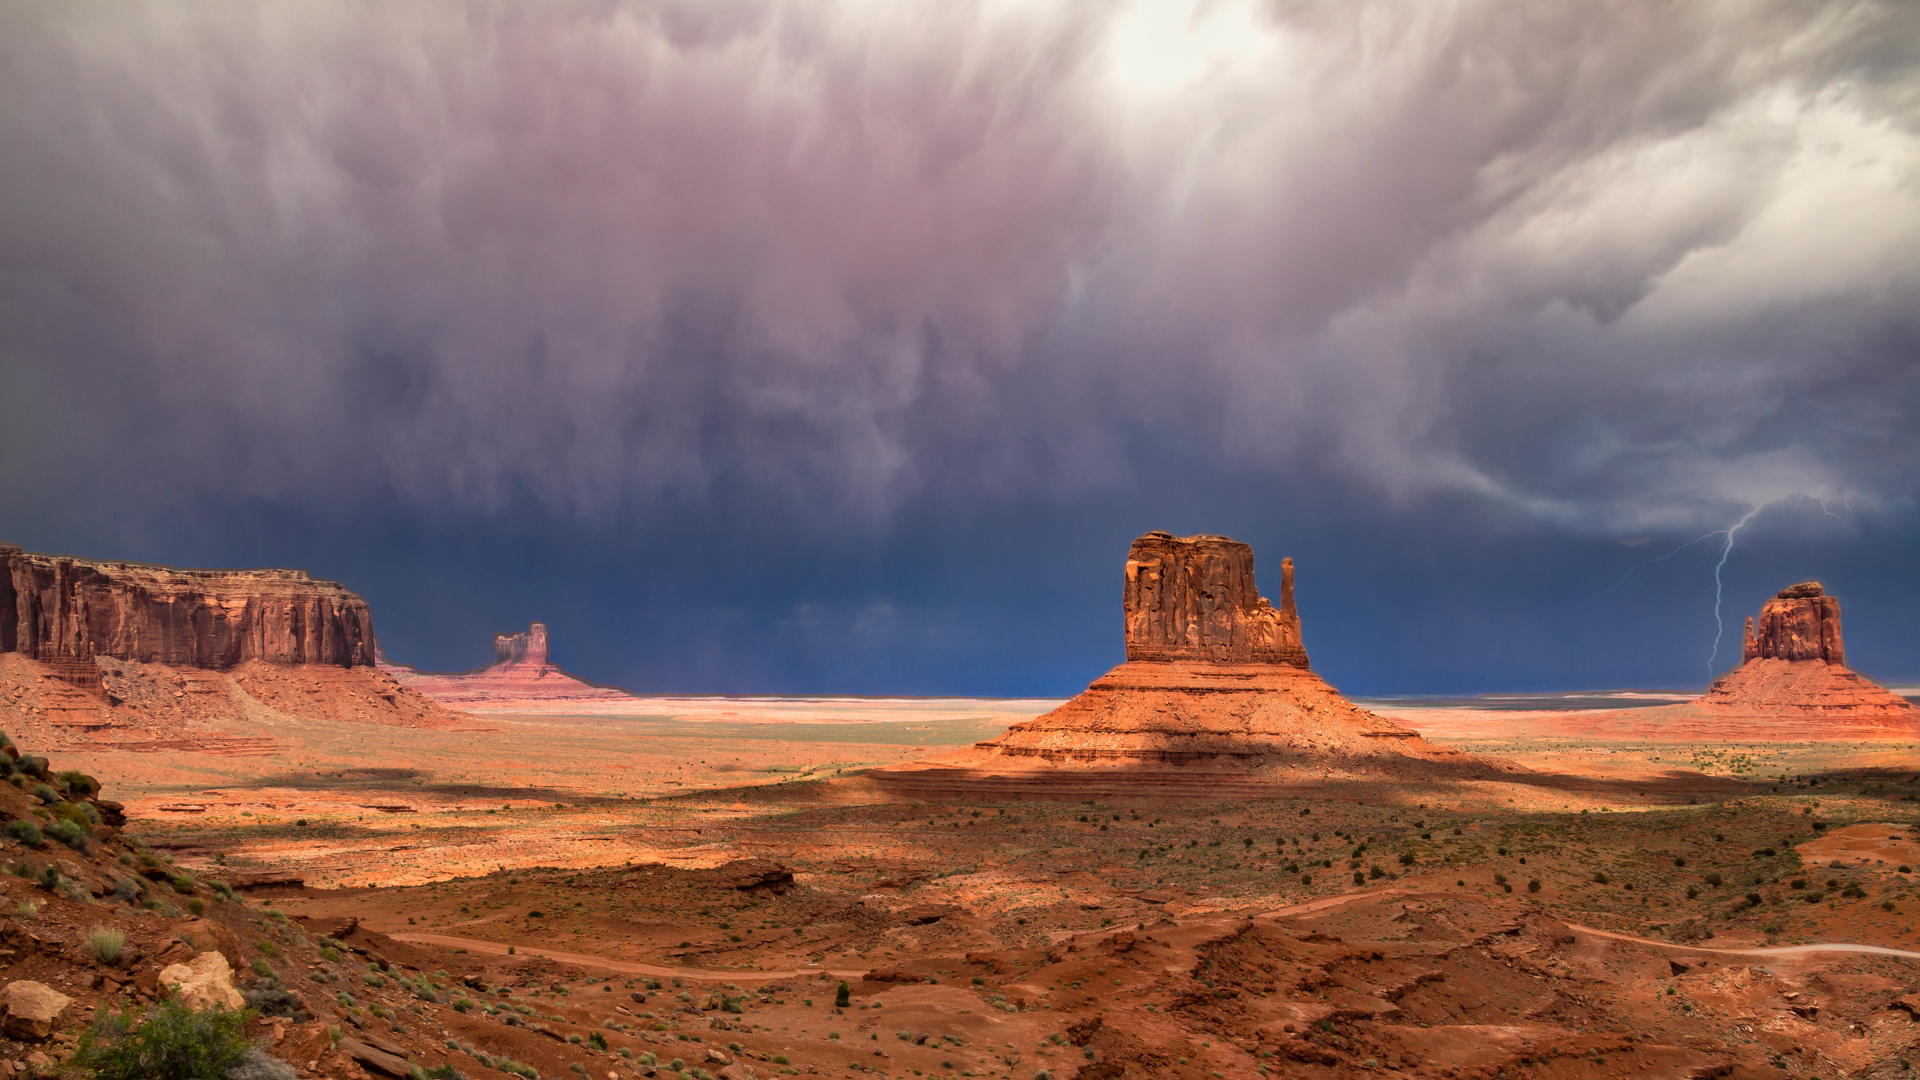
1192	598
56	607
1801	622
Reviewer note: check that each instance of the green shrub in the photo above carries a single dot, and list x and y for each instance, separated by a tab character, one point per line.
71	835
26	832
597	1040
181	883
78	784
261	968
45	794
171	1041
842	997
105	944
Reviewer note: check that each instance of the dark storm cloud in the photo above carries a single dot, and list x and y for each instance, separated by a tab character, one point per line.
1617	267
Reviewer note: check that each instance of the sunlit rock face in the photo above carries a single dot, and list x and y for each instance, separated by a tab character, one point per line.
1801	622
55	607
1194	598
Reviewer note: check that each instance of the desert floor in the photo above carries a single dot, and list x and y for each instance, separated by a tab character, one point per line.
1631	906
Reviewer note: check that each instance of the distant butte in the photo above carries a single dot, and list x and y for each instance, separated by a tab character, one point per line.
522	678
1216	693
1794	685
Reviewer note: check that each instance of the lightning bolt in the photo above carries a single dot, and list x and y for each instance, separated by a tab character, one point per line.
1661	558
1719	627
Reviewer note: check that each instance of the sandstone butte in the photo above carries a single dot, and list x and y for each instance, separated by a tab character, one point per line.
144	656
1793	685
1216	696
522	678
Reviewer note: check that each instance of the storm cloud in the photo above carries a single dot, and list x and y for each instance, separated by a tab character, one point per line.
1611	270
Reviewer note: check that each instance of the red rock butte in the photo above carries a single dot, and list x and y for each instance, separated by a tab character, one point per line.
1793	686
141	656
54	606
1216	690
522	677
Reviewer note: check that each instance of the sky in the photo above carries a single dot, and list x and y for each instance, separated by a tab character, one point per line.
843	347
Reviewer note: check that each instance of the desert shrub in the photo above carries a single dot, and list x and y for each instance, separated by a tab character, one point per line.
843	996
225	890
1533	885
269	998
71	835
1713	878
1600	877
507	1065
125	890
45	794
444	1071
104	944
261	968
26	832
171	1041
257	1064
78	783
330	954
597	1040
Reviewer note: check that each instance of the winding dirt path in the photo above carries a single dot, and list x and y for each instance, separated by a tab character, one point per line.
624	967
1772	950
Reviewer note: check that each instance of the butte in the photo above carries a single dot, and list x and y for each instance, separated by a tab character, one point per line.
1793	685
1216	698
522	678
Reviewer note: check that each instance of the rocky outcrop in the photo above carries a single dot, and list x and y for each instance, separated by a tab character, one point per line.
1801	622
1193	598
57	608
1215	697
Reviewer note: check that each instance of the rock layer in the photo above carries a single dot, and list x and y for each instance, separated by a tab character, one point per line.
56	607
1215	697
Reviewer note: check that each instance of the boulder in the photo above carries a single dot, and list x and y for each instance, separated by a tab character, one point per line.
376	1061
29	1011
204	981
